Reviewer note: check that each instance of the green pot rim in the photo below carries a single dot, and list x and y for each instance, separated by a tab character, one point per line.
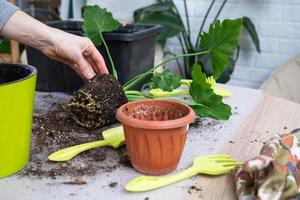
33	72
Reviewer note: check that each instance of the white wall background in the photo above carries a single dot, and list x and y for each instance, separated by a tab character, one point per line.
277	23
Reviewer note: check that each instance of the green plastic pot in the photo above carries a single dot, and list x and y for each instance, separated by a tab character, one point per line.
17	87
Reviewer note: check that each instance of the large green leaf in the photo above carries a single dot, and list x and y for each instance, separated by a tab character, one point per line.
163	14
220	41
199	77
156	7
207	103
96	21
248	24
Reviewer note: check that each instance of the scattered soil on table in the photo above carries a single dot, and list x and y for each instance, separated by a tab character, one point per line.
113	184
56	130
205	123
198	190
95	104
195	188
76	181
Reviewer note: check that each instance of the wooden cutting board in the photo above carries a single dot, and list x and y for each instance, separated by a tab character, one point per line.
272	116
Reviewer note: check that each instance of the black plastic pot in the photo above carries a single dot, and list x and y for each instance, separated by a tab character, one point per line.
132	48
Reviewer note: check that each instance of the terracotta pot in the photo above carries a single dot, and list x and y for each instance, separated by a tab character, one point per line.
155	133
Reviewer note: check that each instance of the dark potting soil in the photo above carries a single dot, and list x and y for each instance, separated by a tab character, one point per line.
95	104
56	130
152	112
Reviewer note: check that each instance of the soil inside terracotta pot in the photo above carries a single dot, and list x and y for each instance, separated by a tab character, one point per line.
157	111
95	104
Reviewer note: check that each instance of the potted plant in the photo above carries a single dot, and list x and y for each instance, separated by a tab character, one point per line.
131	46
166	13
152	126
203	99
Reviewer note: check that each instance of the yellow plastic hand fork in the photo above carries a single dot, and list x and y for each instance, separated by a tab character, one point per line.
217	90
112	137
211	165
160	93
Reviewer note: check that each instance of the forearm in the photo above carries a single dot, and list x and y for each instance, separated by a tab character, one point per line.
78	52
27	30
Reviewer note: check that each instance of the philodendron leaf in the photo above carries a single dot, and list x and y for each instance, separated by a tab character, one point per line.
160	13
96	21
156	7
166	81
220	41
207	103
199	77
248	24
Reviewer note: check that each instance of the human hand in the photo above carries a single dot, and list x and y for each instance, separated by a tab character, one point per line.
77	52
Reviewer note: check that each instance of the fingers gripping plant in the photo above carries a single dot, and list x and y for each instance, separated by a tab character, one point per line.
218	43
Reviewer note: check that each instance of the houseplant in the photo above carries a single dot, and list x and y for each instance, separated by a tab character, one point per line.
166	13
155	129
203	100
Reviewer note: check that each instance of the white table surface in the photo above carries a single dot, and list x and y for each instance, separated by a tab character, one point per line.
200	141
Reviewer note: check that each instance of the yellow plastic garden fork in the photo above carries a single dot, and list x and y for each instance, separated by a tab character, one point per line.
219	91
210	80
211	165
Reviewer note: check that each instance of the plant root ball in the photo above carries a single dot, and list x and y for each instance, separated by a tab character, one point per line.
95	104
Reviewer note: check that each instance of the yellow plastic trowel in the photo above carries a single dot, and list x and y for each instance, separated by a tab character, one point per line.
113	137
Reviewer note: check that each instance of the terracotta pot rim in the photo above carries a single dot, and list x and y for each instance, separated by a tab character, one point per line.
174	123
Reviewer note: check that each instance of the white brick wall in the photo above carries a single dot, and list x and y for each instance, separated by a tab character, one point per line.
277	23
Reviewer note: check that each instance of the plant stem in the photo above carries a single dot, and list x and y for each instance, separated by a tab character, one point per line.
203	22
181	44
184	61
134	81
187	18
220	10
114	71
186	37
177	62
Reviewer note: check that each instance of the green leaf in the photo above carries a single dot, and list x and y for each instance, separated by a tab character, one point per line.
163	14
248	24
208	103
96	21
5	46
220	41
166	81
156	7
199	77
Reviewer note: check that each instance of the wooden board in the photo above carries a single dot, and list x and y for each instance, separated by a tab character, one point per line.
272	116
